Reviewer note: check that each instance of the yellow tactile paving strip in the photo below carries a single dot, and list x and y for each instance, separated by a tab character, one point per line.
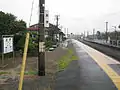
100	61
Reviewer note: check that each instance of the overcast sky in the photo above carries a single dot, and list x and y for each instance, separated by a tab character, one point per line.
76	15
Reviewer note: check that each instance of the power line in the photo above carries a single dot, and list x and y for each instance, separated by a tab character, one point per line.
31	12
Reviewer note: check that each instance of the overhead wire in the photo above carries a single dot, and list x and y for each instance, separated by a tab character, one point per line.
25	54
31	13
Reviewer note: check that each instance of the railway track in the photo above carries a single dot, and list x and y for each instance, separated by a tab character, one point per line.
110	51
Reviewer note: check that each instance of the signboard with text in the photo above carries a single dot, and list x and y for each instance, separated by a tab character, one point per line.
7	44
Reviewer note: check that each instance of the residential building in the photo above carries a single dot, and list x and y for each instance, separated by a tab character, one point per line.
52	31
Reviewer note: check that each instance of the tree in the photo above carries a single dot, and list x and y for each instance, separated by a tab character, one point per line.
119	26
10	25
33	45
98	35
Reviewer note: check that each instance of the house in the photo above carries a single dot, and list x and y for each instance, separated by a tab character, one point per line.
52	31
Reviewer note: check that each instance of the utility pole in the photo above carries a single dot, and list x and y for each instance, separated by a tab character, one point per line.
87	34
57	20
57	24
41	40
84	34
93	34
106	31
67	32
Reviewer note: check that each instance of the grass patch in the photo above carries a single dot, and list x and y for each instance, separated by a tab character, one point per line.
2	73
26	73
74	57
63	63
30	73
66	59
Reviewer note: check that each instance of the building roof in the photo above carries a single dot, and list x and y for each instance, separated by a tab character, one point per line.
50	28
33	29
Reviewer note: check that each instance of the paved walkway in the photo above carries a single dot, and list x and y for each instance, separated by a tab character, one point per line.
87	73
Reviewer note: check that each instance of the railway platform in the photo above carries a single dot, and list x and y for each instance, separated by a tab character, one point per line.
93	71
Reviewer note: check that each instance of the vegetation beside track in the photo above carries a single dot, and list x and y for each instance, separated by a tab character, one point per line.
66	59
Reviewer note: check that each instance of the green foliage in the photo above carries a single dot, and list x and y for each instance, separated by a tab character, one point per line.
48	42
65	60
21	42
16	40
32	43
2	73
119	26
31	73
63	63
49	38
98	35
74	57
10	25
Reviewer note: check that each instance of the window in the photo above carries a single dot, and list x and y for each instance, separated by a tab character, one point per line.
46	15
47	22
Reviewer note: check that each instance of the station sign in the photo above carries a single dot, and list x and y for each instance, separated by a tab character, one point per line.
7	44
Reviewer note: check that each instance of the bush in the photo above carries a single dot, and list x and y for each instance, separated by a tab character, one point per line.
16	40
48	44
20	43
31	46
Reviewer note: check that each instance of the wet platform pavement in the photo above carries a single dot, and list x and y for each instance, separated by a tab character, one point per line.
84	74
